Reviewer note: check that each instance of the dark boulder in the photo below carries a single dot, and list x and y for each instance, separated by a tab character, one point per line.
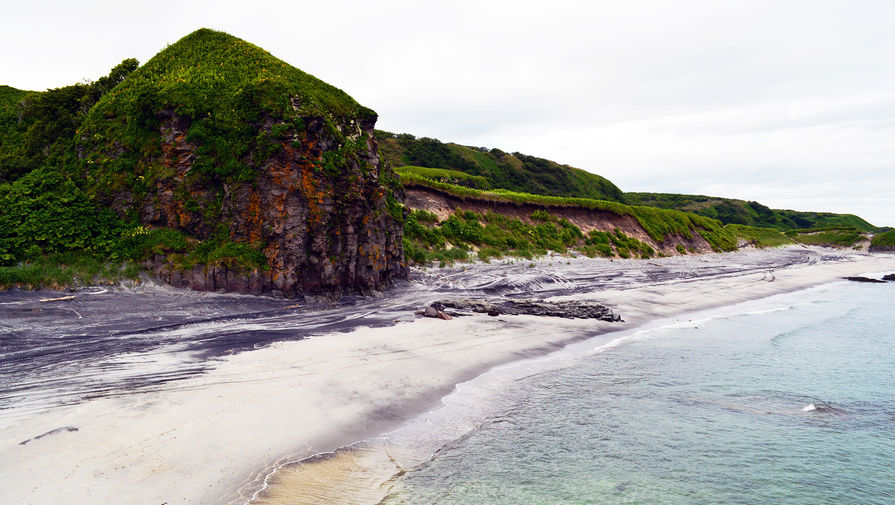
863	279
566	309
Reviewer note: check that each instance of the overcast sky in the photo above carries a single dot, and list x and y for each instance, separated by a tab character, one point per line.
790	103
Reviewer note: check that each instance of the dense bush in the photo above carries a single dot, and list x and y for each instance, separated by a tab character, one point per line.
44	212
38	128
514	172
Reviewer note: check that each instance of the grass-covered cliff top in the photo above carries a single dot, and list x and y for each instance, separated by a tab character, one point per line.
733	211
658	223
510	171
228	89
445	176
214	73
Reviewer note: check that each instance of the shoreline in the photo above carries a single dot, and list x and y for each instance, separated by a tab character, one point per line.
377	462
215	438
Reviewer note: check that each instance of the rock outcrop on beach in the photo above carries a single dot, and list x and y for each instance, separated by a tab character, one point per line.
566	309
275	173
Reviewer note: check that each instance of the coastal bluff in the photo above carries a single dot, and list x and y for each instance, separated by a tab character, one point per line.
275	173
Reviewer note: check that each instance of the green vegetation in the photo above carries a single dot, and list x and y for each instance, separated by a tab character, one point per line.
838	237
185	252
446	176
240	102
514	172
51	233
60	270
886	239
62	149
658	223
70	155
45	212
760	237
38	129
731	211
494	235
518	173
601	243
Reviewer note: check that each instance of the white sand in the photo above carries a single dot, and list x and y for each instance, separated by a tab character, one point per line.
212	439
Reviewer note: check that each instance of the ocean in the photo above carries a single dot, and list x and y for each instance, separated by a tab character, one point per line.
787	400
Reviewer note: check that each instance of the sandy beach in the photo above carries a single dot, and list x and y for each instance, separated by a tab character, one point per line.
214	437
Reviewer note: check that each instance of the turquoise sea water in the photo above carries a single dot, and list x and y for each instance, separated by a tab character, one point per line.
790	400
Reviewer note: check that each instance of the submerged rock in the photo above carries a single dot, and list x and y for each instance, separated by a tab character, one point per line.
566	309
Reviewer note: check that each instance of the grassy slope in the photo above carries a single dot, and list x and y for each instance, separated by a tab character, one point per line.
732	211
514	172
493	235
760	237
658	223
886	239
832	236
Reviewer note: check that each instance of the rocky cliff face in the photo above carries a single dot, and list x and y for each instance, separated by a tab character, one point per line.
321	230
267	178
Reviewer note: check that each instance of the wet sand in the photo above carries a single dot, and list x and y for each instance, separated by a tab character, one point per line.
271	383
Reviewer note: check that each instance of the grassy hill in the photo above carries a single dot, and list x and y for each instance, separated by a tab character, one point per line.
228	88
510	171
521	173
732	211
